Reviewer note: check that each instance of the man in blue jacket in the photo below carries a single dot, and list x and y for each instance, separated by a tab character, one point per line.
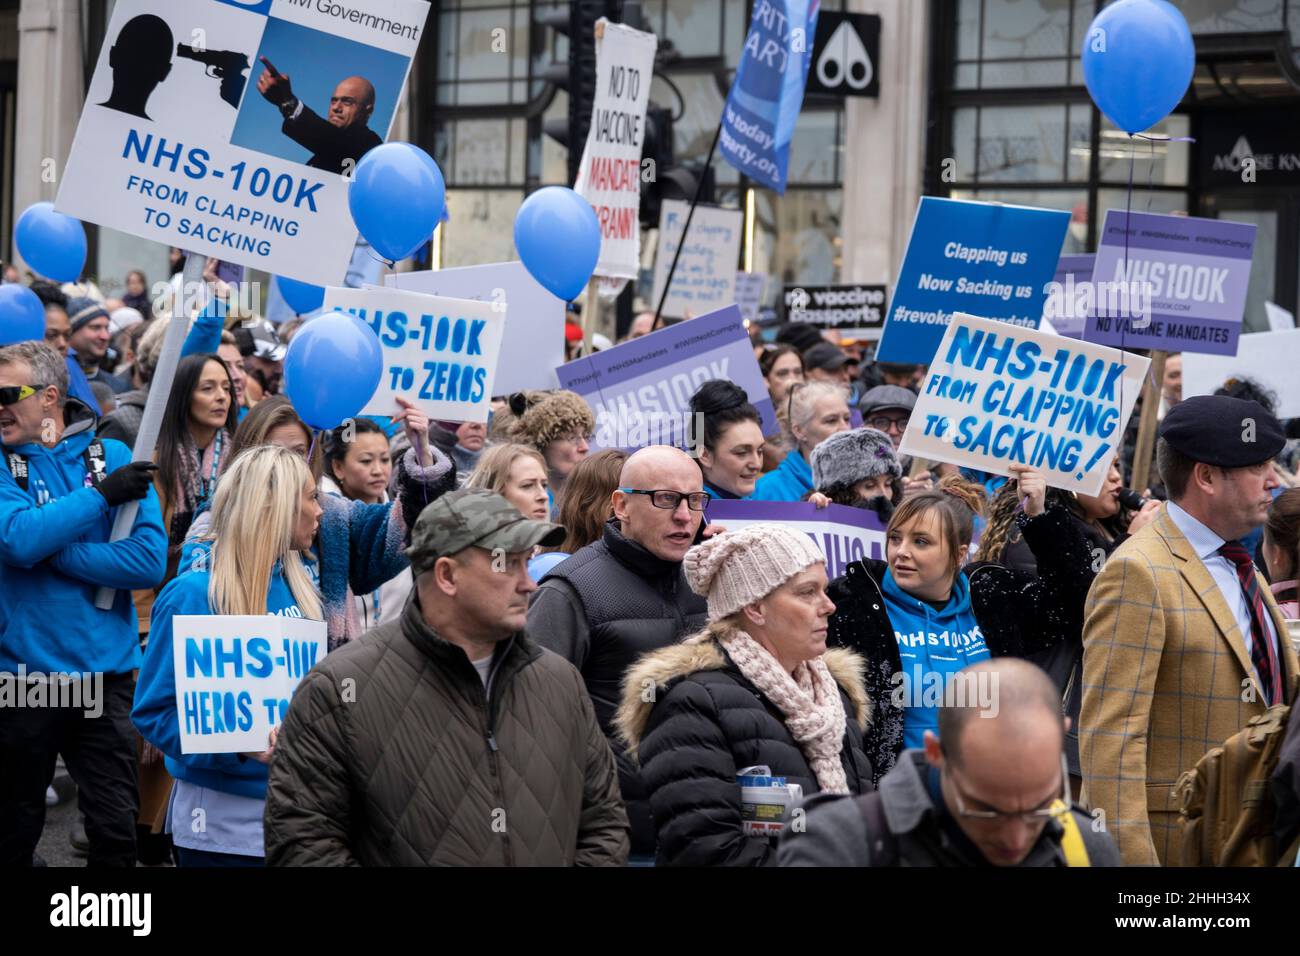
60	487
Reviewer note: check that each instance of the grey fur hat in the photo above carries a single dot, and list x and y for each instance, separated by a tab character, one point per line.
846	458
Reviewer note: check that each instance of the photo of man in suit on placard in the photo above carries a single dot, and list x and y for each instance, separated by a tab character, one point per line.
342	135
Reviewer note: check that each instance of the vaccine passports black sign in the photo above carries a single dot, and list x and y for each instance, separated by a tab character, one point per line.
854	311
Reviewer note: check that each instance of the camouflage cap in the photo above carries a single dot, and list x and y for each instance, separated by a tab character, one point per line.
474	517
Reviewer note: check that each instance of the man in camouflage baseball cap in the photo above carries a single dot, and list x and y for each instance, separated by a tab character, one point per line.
463	719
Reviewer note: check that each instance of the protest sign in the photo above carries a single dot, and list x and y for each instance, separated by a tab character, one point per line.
176	144
843	534
1267	358
641	390
749	293
533	342
1068	298
998	394
706	272
235	675
1173	282
439	353
987	258
610	174
763	103
852	311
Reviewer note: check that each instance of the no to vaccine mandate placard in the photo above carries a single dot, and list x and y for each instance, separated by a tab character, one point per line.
989	259
610	174
439	353
235	675
843	534
998	395
177	145
640	391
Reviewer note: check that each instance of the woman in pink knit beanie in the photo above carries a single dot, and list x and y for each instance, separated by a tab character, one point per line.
756	688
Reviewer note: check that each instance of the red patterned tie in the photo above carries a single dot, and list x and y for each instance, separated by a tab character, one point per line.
1262	653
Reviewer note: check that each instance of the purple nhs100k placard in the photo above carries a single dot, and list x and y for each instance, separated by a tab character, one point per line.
641	391
1174	282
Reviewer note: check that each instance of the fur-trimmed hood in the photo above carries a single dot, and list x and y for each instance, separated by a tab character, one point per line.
703	652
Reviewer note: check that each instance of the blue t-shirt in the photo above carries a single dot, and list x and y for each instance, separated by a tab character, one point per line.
933	645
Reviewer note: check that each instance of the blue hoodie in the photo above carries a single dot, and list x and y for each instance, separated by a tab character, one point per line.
932	645
55	553
154	714
790	481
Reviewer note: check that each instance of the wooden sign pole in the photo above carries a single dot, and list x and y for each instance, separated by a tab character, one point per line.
1146	438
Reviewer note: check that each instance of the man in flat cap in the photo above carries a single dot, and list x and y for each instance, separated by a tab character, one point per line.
447	737
1183	642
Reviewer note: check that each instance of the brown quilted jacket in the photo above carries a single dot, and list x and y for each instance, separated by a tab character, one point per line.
391	754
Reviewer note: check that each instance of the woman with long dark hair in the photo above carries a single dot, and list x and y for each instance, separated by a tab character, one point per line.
193	445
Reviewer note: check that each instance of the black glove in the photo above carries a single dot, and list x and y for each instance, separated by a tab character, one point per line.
128	483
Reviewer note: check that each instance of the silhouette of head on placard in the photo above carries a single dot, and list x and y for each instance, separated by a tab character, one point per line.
140	59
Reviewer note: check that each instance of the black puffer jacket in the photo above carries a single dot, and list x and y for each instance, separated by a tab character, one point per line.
603	608
1064	662
1018	612
693	721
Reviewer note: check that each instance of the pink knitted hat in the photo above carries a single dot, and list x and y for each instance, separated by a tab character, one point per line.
739	567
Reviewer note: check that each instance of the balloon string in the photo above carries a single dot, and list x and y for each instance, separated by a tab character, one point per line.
391	263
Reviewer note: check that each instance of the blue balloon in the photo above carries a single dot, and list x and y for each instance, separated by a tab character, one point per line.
22	316
396	197
542	565
53	244
332	368
558	238
1138	59
428	161
300	296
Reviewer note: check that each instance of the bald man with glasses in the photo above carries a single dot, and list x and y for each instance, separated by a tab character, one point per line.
626	595
991	789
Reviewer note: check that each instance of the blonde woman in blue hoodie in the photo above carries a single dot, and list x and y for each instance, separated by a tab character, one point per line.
923	614
264	516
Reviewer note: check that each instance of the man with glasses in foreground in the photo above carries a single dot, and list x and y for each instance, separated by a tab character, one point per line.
626	595
992	789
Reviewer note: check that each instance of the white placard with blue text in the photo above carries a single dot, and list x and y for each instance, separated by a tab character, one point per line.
235	675
705	277
439	353
534	337
177	145
989	259
998	394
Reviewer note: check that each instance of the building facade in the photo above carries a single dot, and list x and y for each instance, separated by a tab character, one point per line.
978	99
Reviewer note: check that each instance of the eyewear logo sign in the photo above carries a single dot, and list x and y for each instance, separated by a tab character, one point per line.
846	55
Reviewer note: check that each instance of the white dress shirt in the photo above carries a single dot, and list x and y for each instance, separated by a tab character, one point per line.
1206	544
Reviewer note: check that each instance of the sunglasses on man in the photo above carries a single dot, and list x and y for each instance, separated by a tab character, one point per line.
13	394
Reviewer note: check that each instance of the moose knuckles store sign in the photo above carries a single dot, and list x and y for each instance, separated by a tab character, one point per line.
1264	149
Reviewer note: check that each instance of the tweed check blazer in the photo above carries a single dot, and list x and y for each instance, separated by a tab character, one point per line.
1166	678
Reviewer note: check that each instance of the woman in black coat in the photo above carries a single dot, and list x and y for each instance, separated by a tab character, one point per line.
1104	524
756	687
1017	613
